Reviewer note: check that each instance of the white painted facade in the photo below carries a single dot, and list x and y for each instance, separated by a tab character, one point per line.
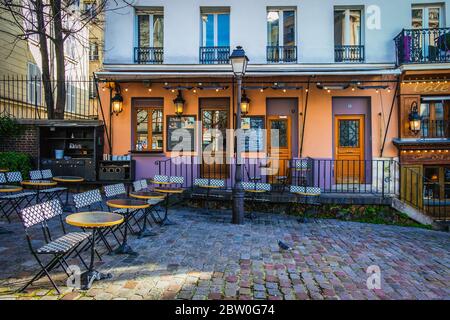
248	28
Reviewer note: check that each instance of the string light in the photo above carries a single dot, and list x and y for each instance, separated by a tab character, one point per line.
284	90
195	91
126	89
261	90
149	89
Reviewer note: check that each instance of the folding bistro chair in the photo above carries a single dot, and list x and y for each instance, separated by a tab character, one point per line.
92	200
118	190
55	192
154	210
14	202
140	185
59	249
308	197
203	188
252	191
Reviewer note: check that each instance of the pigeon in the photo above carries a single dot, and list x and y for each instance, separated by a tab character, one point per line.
283	246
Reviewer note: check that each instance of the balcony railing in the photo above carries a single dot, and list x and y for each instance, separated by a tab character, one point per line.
423	46
214	55
152	55
277	54
350	53
435	129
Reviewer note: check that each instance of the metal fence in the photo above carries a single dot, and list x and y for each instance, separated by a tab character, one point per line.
23	97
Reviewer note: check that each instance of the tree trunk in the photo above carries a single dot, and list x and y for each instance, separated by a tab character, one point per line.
59	57
43	47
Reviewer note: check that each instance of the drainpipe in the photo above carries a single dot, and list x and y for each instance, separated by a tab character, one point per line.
397	87
304	118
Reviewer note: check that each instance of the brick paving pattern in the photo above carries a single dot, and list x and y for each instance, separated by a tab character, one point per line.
206	257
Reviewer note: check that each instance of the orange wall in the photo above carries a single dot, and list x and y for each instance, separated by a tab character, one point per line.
318	130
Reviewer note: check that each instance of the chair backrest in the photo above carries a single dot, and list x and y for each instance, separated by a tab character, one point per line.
307	190
35	175
176	179
87	198
160	178
140	184
47	174
209	182
33	215
14	176
301	164
115	190
2	177
256	186
51	209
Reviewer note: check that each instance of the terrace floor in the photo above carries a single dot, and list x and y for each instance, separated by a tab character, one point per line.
204	256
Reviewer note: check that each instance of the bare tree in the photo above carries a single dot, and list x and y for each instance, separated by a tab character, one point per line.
52	22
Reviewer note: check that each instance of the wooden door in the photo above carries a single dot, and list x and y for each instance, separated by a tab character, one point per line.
411	187
279	150
349	149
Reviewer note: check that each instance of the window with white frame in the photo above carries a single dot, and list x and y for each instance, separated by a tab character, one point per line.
427	16
150	28
34	84
71	97
215	27
93	51
281	27
347	27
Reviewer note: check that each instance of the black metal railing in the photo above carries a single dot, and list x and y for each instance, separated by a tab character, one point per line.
423	46
214	55
279	54
435	129
22	97
349	53
151	55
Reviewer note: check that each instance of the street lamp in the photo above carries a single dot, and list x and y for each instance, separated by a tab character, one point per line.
414	119
239	62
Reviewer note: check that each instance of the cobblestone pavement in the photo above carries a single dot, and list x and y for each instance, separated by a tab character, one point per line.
206	257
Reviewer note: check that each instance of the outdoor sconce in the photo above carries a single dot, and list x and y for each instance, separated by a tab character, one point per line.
117	103
245	104
414	119
179	104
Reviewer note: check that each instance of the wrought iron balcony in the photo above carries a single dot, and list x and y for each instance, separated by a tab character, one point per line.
151	55
423	46
435	129
277	54
349	53
214	55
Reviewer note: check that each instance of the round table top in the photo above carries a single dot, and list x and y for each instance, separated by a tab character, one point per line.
307	194
147	195
94	219
68	179
3	170
162	182
39	183
208	186
168	190
255	190
10	188
127	204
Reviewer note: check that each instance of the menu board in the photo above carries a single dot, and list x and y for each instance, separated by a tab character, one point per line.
174	138
255	125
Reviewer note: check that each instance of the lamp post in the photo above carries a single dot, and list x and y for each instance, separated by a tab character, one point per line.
239	62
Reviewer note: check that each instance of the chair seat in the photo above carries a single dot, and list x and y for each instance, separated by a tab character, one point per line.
18	195
64	243
50	190
154	202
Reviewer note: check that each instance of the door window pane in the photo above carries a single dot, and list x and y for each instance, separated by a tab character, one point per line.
143	31
208	30
339	20
417	18
273	25
218	120
223	30
158	31
355	27
433	17
289	28
282	127
349	133
142	129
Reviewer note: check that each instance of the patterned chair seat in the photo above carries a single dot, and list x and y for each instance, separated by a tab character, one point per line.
209	182
306	190
65	243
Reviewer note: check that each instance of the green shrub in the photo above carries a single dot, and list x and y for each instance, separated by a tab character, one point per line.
9	127
16	161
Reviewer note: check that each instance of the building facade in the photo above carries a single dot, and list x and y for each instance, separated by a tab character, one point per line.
328	75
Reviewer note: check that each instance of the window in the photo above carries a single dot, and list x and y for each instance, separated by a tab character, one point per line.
281	27
93	51
347	27
149	127
71	97
424	17
434	118
34	84
215	27
185	122
254	127
436	182
90	9
150	28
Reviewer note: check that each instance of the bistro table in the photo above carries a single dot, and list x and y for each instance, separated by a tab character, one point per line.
2	170
69	180
128	204
168	191
9	188
153	198
307	193
95	220
38	185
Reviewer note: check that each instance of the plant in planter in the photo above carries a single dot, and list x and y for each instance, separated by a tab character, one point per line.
16	161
